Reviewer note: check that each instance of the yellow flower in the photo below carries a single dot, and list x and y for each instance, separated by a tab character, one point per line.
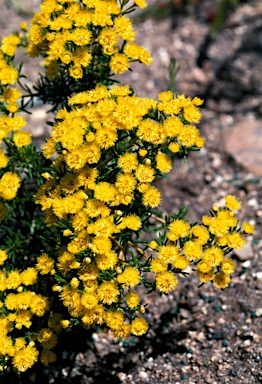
106	261
80	36
101	245
47	338
151	131
132	222
221	280
29	276
76	71
204	266
13	279
39	305
200	233
151	197
82	57
114	319
45	264
88	300
192	114
219	226
23	319
49	148
214	255
8	75
235	241
174	147
23	25
125	182
228	266
3	256
163	162
193	250
248	228
119	63
130	277
139	326
105	192
232	203
158	265
144	56
188	135
132	299
200	142
106	138
123	331
123	27
22	139
165	96
25	358
181	262
128	162
168	253
9	184
153	244
205	277
95	315
107	38
107	293
65	260
166	281
177	229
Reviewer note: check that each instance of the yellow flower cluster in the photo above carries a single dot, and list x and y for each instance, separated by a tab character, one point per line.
74	35
205	245
9	123
111	146
17	313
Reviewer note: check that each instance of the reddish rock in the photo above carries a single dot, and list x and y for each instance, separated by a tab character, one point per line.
244	143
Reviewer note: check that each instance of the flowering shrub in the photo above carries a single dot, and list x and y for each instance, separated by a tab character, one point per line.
77	218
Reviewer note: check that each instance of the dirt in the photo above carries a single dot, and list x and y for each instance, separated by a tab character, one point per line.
196	335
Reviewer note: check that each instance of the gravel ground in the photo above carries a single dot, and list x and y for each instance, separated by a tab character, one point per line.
197	335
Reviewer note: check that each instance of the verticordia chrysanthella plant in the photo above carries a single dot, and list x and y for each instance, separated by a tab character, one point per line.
74	216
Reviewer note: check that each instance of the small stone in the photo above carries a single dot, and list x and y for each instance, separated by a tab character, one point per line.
246	149
208	379
258	275
233	373
247	264
252	202
245	254
259	312
143	375
247	343
122	376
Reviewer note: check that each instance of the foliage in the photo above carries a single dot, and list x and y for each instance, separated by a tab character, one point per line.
80	224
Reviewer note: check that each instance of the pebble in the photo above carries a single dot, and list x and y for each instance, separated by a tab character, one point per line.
246	149
209	380
258	275
259	312
143	375
247	264
246	253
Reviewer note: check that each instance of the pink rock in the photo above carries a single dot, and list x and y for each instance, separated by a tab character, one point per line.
244	143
